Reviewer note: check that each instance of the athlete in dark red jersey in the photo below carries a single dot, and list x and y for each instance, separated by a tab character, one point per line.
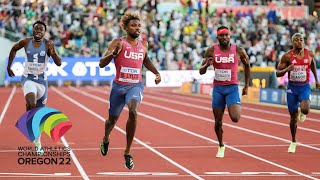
297	62
129	54
225	58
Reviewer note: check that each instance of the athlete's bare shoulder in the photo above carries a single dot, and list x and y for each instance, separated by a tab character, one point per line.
240	50
311	54
209	52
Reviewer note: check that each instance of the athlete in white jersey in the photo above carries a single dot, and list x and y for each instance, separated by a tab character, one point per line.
34	80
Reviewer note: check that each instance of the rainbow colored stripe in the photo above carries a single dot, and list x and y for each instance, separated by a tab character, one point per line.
53	122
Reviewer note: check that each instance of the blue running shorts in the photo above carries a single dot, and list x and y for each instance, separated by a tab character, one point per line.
296	94
225	94
121	94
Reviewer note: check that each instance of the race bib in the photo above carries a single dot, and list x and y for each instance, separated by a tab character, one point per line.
298	74
130	75
222	74
35	68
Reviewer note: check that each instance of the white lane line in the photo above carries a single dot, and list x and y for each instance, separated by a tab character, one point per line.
139	173
226	124
75	160
37	174
122	131
7	103
200	136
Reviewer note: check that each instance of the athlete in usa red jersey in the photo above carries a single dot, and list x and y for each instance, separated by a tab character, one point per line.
297	62
129	54
224	57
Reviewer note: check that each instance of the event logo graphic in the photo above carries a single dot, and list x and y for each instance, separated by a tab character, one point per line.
53	122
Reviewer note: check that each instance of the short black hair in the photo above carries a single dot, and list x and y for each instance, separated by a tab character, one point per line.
42	23
222	27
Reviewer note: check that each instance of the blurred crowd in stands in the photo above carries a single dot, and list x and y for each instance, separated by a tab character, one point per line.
177	38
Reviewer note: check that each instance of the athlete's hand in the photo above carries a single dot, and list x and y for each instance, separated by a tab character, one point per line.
10	72
317	84
118	48
158	79
51	48
209	61
245	90
290	68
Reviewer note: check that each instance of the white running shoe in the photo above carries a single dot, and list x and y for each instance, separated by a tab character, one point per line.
302	117
220	153
292	147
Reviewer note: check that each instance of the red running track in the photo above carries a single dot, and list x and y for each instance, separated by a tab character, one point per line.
175	139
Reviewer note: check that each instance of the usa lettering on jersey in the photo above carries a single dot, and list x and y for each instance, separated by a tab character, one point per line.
133	55
229	59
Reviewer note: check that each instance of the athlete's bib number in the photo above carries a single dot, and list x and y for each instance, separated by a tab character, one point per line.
222	74
298	74
130	75
35	68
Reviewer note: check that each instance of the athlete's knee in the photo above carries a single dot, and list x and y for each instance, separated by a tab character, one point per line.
305	111
111	121
217	124
235	117
31	105
133	113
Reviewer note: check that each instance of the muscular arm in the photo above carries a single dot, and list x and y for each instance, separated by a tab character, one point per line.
16	47
283	67
207	61
109	54
147	61
245	61
52	52
313	67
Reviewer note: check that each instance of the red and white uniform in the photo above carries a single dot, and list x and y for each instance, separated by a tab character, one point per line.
225	65
129	63
301	68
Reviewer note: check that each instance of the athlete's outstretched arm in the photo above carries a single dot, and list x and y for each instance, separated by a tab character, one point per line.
207	61
113	50
246	63
149	65
52	52
283	67
314	69
16	47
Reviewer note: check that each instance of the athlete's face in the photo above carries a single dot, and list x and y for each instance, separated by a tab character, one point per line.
134	28
224	39
38	31
298	42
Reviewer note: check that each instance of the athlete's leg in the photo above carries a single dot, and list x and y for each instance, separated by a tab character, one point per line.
117	102
109	125
218	105
233	103
30	92
304	99
131	123
133	99
292	101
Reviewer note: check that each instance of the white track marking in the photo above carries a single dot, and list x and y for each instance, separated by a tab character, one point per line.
75	160
7	103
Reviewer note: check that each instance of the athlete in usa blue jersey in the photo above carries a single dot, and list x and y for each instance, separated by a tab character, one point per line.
34	79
